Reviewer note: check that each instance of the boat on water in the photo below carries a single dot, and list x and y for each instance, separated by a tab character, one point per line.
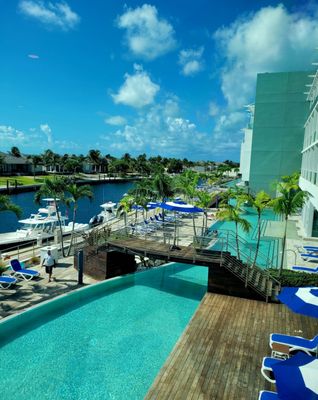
108	214
40	226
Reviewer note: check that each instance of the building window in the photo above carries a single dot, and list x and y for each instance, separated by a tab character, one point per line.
315	224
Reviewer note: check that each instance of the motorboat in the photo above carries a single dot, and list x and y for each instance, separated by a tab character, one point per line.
40	226
108	214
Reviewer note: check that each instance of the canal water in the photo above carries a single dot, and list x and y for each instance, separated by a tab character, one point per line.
86	209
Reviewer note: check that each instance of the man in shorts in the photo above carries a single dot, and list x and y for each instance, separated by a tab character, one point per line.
49	263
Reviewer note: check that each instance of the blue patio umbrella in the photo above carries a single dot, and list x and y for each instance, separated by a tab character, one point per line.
297	377
152	205
303	300
180	206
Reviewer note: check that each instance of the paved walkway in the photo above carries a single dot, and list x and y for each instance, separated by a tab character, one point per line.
26	294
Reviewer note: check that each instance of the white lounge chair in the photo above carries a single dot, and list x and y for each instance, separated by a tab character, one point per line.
7	281
267	370
295	343
267	395
309	256
299	268
18	271
311	248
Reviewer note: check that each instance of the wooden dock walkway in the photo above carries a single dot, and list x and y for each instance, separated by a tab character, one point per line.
220	353
157	249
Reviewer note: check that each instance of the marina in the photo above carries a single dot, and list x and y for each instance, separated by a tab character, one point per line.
41	226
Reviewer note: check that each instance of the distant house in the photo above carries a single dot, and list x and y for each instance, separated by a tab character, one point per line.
11	165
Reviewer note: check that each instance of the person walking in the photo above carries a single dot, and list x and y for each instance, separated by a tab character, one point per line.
49	263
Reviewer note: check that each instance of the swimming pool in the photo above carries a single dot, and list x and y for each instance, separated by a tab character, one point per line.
106	346
269	248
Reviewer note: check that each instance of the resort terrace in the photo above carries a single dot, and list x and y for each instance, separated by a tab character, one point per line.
219	354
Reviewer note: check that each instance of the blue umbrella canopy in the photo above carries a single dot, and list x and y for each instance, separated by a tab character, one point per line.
180	207
302	300
297	377
152	205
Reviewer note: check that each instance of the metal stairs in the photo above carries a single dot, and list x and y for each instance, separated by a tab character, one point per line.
257	279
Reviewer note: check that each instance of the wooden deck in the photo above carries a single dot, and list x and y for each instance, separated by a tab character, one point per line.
220	353
157	249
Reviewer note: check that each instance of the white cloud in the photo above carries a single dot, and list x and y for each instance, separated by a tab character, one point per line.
115	120
147	35
191	61
56	14
10	135
33	56
161	130
270	40
48	132
213	109
137	91
67	145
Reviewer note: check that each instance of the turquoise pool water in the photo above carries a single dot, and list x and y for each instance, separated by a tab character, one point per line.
232	184
106	347
269	246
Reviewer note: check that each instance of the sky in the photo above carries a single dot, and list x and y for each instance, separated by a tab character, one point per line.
167	78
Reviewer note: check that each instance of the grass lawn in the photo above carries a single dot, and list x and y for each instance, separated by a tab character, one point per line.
22	180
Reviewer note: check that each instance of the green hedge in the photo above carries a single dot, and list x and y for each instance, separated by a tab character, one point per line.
295	278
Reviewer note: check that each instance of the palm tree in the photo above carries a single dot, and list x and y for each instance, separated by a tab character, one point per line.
76	193
259	203
142	193
204	201
15	152
54	188
94	158
233	214
291	198
7	205
186	183
35	160
125	206
162	186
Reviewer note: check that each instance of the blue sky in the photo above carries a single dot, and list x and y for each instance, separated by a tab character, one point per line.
160	77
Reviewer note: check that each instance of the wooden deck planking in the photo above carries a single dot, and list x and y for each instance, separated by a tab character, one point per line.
186	254
220	353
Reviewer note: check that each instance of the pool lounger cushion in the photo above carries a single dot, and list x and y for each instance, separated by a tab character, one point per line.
7	281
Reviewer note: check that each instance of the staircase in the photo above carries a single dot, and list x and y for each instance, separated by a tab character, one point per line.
257	279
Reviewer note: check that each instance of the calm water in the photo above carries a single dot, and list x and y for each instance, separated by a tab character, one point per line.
111	347
102	193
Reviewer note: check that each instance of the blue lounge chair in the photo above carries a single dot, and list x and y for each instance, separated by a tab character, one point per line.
309	256
267	370
295	343
304	269
7	281
267	395
311	248
19	272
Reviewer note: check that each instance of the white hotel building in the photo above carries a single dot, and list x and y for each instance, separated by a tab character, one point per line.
309	167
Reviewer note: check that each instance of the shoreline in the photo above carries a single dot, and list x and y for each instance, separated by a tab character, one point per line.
35	187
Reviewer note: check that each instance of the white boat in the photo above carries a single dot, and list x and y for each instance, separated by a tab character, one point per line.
105	216
40	226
